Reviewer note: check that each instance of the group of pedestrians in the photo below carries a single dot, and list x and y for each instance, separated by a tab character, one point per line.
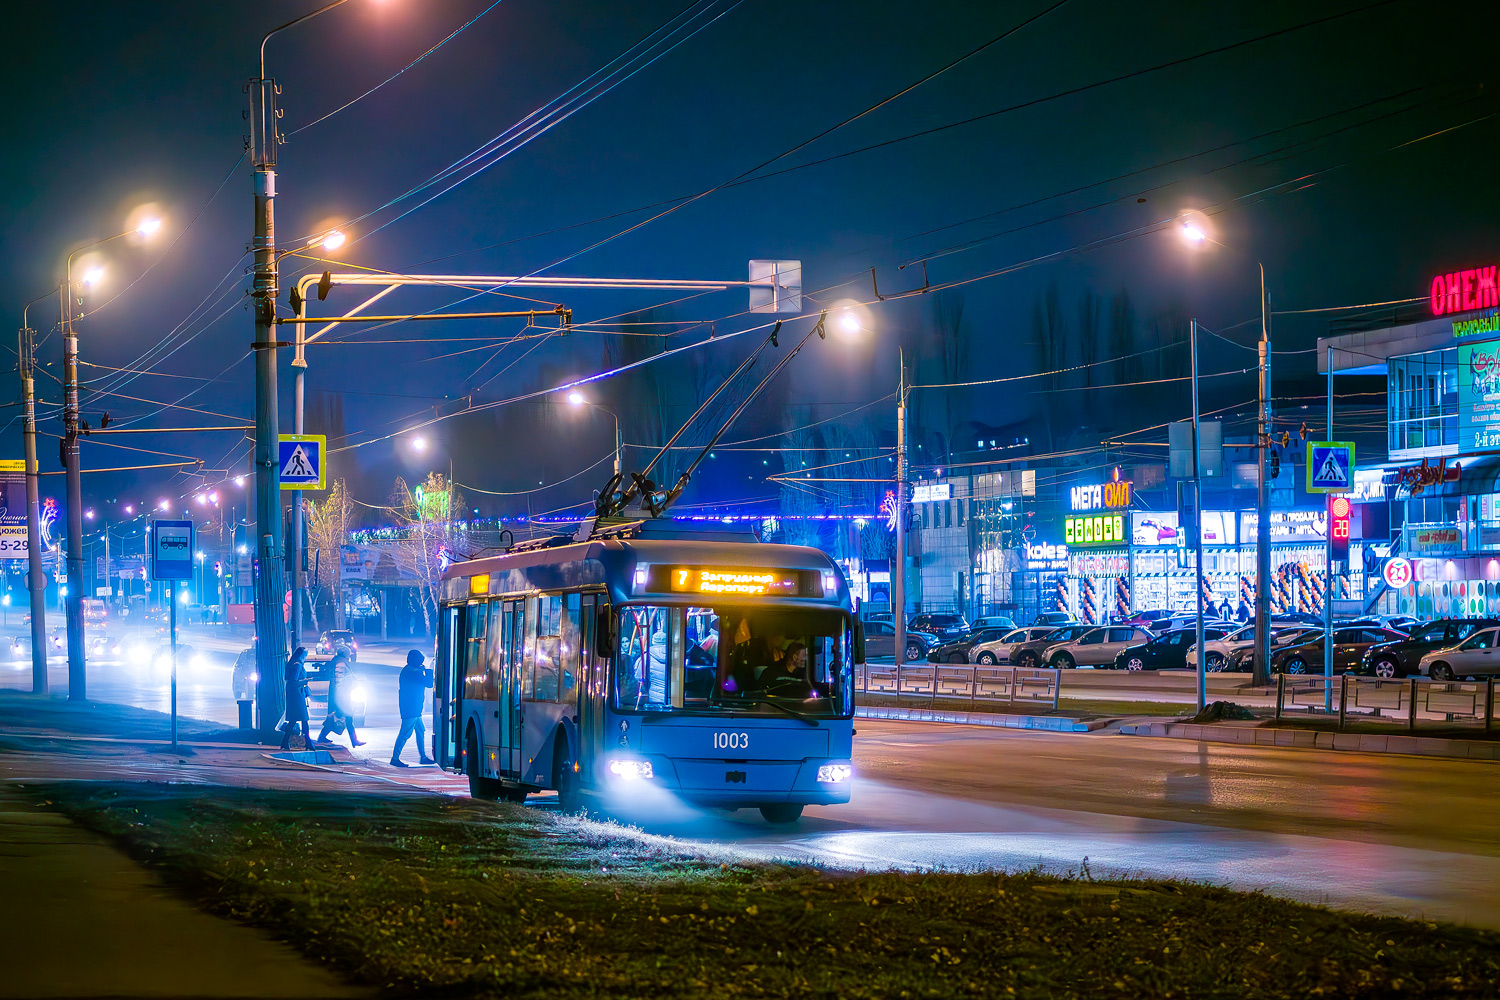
415	679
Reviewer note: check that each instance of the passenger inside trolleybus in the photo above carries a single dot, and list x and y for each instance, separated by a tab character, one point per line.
768	660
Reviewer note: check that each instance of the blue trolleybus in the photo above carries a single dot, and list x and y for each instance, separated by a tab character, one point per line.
704	664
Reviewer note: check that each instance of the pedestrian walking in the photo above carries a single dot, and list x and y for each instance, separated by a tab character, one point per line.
340	702
415	679
1244	611
296	698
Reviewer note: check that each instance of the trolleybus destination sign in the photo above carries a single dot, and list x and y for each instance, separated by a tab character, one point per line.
749	581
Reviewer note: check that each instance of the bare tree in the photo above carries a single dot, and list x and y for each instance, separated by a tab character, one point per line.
431	534
327	531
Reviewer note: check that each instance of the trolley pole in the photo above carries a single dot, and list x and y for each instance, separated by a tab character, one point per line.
898	570
270	582
36	583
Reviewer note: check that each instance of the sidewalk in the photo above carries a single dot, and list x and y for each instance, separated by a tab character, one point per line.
87	921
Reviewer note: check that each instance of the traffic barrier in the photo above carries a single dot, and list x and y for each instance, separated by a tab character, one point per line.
974	684
1411	700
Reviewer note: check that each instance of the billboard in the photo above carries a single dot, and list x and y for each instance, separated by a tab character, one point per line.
1479	396
12	508
1155	528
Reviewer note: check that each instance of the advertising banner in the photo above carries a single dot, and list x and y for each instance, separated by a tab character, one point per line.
1155	528
12	508
1479	396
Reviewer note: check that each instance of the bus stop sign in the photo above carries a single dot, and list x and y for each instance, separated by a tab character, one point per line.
171	550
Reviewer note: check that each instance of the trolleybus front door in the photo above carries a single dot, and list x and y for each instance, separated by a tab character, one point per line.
448	708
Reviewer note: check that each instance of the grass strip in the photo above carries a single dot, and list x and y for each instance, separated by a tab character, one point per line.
440	897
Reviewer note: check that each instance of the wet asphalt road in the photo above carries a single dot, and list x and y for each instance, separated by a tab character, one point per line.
1382	832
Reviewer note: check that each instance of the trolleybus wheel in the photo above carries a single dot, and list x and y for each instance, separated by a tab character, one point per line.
479	787
781	812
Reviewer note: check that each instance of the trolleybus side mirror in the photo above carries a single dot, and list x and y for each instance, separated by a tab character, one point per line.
859	641
604	638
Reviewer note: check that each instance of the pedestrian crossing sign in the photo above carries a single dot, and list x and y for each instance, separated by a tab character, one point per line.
1330	466
301	460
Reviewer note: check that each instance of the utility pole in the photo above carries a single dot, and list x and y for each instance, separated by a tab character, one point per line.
77	677
898	570
270	584
1201	578
294	544
1262	657
1328	562
36	583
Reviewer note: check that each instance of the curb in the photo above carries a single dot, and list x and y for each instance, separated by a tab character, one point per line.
1307	739
1051	723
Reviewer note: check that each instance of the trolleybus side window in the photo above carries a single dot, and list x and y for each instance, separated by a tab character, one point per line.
526	633
548	647
569	649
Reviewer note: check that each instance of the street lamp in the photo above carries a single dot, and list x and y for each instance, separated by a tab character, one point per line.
577	400
1195	232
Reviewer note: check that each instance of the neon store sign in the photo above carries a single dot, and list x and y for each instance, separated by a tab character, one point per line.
1465	291
1101	496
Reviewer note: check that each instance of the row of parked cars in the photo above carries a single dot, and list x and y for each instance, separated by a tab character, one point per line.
1388	646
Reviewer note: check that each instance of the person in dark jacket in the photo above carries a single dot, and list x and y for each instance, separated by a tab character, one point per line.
296	698
415	679
340	701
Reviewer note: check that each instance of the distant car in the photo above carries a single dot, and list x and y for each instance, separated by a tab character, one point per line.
957	651
332	641
1029	653
880	640
1401	657
1349	645
1167	651
999	650
1053	618
1401	623
319	674
1145	617
941	624
1094	648
243	680
1224	650
994	621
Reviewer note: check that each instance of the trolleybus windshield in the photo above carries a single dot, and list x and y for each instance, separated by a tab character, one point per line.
726	657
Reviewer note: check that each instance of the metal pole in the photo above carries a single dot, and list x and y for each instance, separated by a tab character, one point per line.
172	628
270	583
617	442
1328	566
77	678
294	544
1262	657
36	581
1198	516
898	570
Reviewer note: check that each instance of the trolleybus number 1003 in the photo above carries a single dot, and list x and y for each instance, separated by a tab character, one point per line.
731	741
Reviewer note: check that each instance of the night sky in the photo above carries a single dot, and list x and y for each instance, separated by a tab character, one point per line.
1315	151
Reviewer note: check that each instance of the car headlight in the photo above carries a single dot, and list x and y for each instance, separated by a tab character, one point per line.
835	772
631	770
358	692
198	662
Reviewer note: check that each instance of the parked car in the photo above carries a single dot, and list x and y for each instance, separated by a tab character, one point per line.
1224	653
1239	659
1400	657
940	623
880	640
1475	656
1053	618
1000	650
1167	651
1096	647
1179	620
1349	645
332	641
994	621
1145	617
957	651
1029	653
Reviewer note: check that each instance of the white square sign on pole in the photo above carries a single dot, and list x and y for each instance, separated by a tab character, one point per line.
171	550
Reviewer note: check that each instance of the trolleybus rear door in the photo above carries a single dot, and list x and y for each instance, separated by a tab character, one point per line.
448	707
510	689
591	689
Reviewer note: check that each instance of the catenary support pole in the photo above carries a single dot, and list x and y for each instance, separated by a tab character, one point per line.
36	580
269	579
1262	657
77	678
1198	573
1328	564
898	568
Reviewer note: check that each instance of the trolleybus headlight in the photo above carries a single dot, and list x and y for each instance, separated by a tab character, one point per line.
631	770
359	693
835	772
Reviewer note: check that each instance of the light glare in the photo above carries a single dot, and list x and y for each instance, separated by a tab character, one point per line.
576	398
1192	233
148	226
334	240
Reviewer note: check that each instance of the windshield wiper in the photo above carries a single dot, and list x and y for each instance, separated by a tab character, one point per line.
763	700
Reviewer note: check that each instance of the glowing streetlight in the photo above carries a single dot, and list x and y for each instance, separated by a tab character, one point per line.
130	508
576	398
148	226
849	323
1192	233
239	480
89	514
93	276
419	444
164	506
334	240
